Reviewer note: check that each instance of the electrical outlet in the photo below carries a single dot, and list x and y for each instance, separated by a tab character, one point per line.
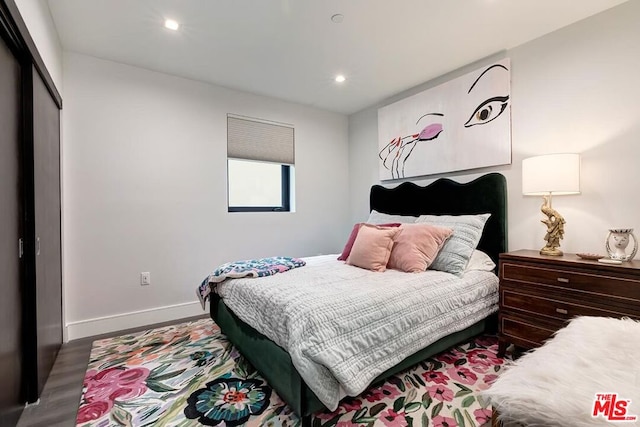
145	278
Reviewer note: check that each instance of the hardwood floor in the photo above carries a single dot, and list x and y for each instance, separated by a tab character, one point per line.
61	395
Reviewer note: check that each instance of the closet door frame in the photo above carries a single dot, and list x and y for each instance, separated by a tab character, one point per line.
14	31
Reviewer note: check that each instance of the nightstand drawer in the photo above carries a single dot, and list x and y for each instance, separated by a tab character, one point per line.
550	307
518	330
594	283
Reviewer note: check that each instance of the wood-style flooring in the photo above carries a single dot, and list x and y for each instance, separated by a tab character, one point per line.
60	397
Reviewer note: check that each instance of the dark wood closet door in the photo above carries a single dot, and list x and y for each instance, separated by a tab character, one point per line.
46	173
10	233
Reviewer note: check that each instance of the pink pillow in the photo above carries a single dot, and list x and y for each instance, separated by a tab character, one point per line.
352	238
416	246
372	247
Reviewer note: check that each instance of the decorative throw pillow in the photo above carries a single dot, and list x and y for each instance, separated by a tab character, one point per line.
378	218
480	261
456	252
352	238
416	246
372	247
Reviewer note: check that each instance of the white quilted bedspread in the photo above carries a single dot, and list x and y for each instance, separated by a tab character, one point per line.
343	325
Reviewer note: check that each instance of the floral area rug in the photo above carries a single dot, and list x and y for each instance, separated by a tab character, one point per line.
190	375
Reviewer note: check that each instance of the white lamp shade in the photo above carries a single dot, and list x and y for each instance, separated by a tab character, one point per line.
555	174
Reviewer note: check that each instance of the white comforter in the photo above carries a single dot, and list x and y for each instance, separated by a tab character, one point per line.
343	325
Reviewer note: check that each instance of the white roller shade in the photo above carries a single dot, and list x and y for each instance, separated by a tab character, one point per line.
259	140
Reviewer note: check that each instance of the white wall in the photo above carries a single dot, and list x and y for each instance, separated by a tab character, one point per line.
145	190
574	90
37	17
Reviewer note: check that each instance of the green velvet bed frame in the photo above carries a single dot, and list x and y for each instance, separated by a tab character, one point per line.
487	194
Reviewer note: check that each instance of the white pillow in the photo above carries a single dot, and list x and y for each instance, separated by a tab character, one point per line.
456	252
480	261
376	217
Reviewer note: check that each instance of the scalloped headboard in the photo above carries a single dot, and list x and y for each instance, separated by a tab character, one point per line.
487	194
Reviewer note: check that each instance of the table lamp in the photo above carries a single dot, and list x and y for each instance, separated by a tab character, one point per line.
546	176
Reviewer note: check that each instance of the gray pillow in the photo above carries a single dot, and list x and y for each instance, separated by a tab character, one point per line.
456	252
376	217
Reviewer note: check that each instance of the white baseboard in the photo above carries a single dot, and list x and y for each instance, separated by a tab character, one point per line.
119	322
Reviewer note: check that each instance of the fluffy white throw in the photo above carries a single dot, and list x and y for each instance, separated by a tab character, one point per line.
556	385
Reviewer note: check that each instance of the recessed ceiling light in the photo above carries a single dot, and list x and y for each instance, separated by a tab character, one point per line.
171	24
340	78
337	18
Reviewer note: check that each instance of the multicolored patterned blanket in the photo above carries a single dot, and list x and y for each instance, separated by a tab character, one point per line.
247	268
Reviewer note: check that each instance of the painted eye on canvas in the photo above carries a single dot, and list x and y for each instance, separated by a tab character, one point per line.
489	110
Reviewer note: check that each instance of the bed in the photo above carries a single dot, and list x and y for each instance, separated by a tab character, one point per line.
486	194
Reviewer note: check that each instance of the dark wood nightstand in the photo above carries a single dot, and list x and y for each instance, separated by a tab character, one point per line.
539	294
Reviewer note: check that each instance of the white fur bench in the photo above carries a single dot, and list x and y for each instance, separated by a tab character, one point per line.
557	384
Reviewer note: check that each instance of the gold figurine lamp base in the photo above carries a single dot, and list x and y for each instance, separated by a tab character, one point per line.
547	175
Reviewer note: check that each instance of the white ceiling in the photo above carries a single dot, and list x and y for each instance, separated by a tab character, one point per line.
290	49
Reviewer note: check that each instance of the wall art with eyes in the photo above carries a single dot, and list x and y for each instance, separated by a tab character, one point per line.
462	124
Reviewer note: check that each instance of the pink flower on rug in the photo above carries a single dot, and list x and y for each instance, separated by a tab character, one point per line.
115	383
483	357
373	395
441	393
379	393
486	382
462	375
346	424
325	415
390	418
481	369
489	379
482	415
435	377
390	391
351	404
441	421
449	357
93	411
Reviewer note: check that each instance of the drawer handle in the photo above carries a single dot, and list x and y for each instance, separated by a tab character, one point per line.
561	311
563	280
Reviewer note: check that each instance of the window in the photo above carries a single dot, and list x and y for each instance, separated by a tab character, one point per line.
258	186
260	165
